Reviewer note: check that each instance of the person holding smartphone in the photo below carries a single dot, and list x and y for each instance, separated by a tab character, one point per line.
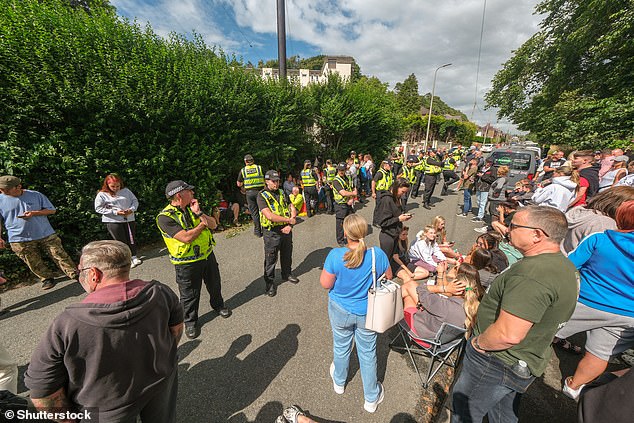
24	213
390	216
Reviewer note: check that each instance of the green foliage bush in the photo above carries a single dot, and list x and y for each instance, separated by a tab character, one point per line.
85	93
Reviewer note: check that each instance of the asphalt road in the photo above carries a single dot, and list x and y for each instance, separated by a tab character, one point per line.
274	352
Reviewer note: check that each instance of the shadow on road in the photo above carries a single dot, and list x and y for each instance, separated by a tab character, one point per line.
314	260
70	289
215	390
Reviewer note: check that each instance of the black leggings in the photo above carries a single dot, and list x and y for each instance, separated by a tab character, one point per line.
124	232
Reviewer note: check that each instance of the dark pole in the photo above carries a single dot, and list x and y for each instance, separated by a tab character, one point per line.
281	39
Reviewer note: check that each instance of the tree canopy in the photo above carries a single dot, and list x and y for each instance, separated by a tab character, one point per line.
573	81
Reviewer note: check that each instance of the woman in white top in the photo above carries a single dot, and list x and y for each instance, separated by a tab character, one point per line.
614	175
116	205
425	252
560	191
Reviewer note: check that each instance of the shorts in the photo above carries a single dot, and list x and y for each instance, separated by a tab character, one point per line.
608	334
426	266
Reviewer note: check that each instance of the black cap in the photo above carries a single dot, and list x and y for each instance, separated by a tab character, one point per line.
412	159
387	162
175	187
272	175
342	166
248	158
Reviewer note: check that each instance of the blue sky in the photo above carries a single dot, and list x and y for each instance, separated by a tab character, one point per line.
389	39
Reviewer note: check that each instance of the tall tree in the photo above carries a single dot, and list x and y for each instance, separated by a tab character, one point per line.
407	95
573	81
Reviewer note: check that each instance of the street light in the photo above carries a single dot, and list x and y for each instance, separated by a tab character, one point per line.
431	102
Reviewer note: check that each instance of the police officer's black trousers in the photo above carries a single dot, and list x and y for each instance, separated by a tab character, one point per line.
414	189
275	241
450	177
189	278
311	198
330	200
430	184
341	211
252	203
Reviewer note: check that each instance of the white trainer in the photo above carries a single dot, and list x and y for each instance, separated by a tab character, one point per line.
338	388
135	262
569	392
370	407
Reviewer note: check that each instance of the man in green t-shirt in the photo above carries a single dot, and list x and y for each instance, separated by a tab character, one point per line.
517	319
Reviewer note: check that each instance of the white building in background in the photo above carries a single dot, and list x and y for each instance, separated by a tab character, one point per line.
340	65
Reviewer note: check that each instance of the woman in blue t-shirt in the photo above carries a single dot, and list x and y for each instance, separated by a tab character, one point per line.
347	275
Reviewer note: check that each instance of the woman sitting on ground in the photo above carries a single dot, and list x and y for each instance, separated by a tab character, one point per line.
401	264
558	191
434	308
490	241
426	253
482	260
438	223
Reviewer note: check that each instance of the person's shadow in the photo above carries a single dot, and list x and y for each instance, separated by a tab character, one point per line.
215	390
70	289
314	260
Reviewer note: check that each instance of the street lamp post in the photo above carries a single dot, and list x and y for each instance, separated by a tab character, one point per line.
431	102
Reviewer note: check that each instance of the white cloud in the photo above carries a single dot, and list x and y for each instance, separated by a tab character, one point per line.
389	38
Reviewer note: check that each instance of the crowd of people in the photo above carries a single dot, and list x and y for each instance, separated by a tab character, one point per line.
553	259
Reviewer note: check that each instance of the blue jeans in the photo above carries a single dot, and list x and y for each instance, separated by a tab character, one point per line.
466	208
482	197
346	327
486	385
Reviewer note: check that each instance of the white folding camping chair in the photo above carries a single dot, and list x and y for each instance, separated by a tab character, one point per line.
448	339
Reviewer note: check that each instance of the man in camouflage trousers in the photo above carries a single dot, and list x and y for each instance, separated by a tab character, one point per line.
24	214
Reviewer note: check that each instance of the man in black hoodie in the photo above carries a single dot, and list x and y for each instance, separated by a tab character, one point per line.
115	352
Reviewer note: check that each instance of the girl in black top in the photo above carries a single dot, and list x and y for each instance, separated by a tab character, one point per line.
390	216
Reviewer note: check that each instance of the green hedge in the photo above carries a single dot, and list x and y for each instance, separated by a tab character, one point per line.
88	93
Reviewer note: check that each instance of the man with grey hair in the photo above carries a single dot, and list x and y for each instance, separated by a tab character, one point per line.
517	319
115	352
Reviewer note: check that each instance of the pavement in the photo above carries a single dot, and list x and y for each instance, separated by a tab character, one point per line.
273	352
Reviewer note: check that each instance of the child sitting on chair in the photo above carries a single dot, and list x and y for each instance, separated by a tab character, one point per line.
426	253
431	305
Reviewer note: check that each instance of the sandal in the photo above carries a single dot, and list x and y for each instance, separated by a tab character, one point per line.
568	346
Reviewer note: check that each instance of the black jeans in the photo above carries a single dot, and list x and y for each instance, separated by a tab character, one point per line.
310	194
430	184
341	211
190	277
275	241
252	203
450	177
124	232
415	187
330	200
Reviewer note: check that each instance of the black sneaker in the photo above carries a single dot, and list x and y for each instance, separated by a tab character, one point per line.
291	279
477	219
48	283
224	312
192	331
271	290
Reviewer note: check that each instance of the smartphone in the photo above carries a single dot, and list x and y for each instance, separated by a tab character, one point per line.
410	214
21	216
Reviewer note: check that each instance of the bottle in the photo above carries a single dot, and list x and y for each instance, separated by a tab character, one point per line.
521	369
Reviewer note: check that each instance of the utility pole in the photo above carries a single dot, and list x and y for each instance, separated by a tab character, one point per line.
281	39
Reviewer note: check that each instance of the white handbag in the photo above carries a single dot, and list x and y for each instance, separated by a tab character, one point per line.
385	302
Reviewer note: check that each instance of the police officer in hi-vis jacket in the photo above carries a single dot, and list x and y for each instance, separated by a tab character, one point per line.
277	219
251	178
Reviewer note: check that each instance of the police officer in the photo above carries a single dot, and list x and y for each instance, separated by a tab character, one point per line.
186	230
251	178
344	193
398	160
448	173
433	170
419	169
329	175
381	185
277	218
355	159
409	173
309	182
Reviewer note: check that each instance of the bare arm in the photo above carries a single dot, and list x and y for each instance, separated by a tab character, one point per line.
580	194
57	400
508	330
187	236
327	280
177	332
43	212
